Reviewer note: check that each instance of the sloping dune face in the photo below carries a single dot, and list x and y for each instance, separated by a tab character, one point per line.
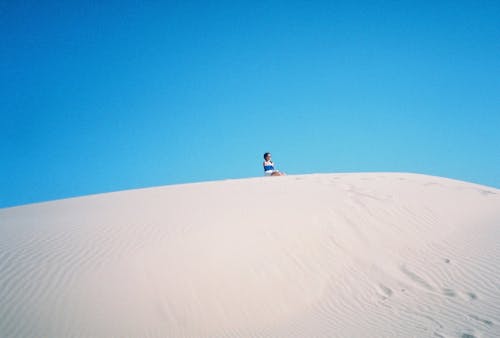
324	255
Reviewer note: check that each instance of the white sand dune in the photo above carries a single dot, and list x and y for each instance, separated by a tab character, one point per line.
323	255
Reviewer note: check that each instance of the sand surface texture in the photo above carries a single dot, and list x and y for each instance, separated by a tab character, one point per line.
322	255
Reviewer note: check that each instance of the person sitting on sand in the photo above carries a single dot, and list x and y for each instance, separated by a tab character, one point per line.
269	167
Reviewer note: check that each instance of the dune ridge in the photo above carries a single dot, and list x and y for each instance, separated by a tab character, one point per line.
319	255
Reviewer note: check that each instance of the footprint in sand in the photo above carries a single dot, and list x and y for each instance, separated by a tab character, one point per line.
484	321
416	278
464	295
467	335
471	295
385	291
449	292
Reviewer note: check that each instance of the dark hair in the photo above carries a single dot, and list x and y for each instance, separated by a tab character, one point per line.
265	155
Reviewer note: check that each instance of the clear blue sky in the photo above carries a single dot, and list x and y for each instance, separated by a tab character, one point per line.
99	98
